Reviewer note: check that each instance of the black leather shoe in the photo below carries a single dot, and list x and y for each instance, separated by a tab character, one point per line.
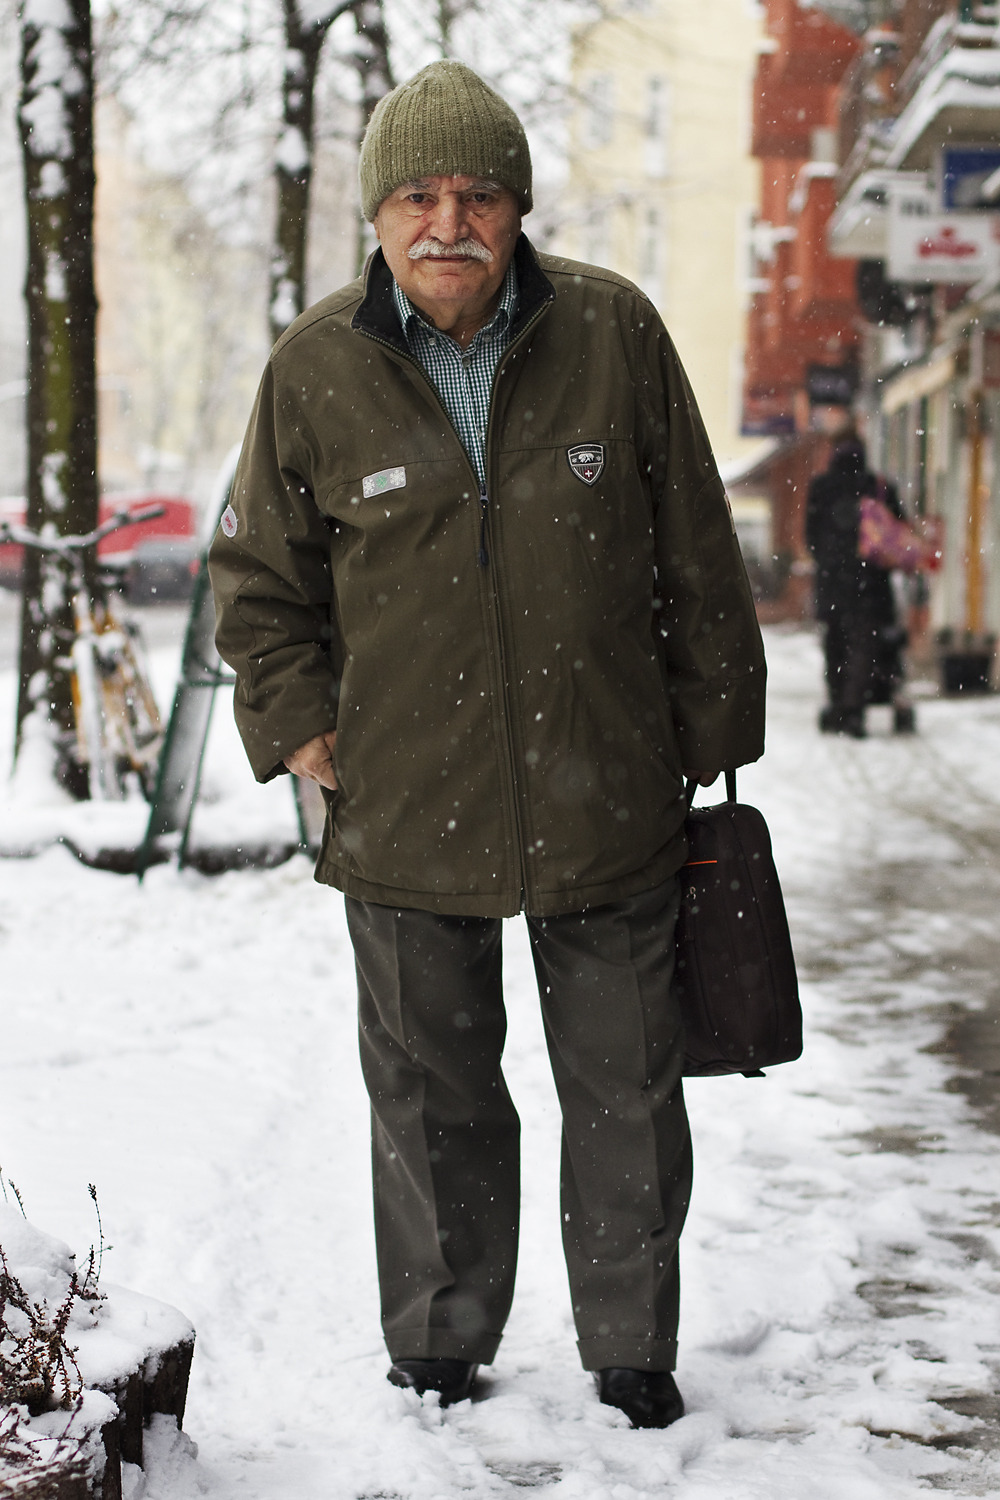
453	1379
649	1398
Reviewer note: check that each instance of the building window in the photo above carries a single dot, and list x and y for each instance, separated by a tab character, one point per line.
652	247
598	110
656	108
656	125
597	235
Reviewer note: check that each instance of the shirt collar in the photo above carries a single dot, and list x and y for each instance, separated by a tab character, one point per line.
500	321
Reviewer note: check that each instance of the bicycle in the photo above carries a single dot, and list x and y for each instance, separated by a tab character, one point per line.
118	734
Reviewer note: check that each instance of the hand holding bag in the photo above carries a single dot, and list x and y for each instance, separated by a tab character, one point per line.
735	974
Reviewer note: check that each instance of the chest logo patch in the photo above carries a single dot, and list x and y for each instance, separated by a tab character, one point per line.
229	523
587	461
385	479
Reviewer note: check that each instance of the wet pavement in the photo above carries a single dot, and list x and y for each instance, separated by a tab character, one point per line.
896	919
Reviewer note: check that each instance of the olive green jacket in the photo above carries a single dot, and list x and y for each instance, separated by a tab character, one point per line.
516	677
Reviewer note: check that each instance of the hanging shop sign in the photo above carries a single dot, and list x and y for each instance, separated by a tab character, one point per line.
970	177
831	385
928	245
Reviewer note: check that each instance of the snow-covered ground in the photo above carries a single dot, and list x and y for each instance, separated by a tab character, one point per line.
188	1045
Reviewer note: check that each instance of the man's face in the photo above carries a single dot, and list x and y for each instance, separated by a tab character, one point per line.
449	240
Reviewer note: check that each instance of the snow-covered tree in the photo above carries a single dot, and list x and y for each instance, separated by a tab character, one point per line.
374	70
306	26
55	117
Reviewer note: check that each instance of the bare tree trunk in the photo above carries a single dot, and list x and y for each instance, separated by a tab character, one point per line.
371	60
55	116
294	160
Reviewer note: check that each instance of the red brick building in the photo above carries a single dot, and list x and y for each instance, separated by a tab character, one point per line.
802	339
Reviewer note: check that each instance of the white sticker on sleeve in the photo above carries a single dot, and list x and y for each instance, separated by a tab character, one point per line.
229	523
385	479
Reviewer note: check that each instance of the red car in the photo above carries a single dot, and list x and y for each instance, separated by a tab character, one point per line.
179	522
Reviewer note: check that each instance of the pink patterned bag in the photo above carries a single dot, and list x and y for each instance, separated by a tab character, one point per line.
888	542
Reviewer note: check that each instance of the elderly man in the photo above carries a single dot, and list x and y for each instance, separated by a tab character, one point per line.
479	580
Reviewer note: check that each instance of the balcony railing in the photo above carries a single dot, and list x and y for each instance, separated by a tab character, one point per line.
890	123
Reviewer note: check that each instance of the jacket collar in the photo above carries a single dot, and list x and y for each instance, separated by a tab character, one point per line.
377	314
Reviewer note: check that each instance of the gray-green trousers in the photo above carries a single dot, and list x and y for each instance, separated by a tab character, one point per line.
446	1134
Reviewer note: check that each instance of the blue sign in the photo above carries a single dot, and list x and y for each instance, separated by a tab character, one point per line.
965	172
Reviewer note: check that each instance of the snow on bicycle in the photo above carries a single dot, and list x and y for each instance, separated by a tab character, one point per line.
117	731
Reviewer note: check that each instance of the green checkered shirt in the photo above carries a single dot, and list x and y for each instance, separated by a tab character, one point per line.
463	378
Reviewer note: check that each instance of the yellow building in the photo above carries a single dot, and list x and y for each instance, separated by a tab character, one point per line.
662	185
181	329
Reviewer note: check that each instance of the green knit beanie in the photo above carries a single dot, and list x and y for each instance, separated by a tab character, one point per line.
445	122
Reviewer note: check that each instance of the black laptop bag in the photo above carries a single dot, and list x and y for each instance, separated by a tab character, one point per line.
735	974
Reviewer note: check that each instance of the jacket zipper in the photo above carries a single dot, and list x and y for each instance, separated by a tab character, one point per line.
484	556
483	559
505	686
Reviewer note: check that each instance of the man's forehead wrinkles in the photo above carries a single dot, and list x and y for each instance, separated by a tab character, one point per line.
473	184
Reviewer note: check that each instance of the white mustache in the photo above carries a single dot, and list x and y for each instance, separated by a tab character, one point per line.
468	249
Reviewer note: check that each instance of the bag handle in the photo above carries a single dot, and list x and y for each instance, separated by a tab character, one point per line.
691	786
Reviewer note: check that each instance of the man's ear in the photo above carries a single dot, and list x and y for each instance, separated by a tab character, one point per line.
378	233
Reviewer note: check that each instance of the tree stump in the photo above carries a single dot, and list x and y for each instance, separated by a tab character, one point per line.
160	1386
102	1364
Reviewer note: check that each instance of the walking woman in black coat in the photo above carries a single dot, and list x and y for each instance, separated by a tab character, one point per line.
863	639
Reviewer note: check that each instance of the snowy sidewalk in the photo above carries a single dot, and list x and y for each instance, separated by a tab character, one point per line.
189	1047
